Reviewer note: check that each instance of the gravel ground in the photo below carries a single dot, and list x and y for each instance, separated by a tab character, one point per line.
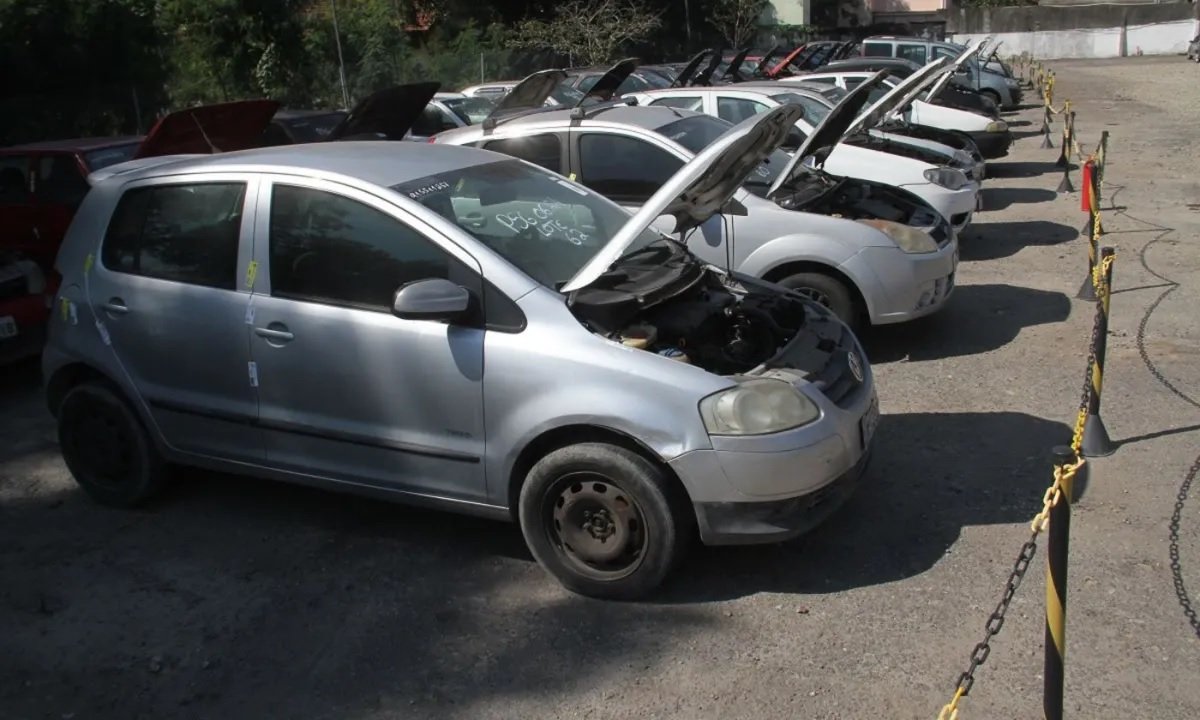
244	599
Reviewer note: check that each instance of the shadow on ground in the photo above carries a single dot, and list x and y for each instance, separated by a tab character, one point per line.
246	599
991	241
1022	169
999	198
977	319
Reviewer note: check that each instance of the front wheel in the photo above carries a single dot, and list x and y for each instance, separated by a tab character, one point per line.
603	520
827	291
993	96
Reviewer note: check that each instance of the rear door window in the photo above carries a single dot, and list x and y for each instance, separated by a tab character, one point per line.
14	179
736	110
544	150
685	102
941	52
623	168
916	53
59	181
185	233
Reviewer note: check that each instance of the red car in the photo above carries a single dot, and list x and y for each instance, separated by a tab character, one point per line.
41	185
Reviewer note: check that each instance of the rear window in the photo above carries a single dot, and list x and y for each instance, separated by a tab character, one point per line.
185	233
98	159
471	110
875	49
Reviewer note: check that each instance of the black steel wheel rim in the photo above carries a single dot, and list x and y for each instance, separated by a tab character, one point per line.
98	440
595	526
815	295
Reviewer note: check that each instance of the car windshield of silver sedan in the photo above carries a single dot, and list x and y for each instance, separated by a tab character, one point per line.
699	131
471	110
542	223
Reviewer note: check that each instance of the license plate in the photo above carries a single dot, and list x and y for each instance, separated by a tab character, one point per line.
8	327
869	422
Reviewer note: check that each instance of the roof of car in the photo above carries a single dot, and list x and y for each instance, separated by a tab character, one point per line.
383	163
75	144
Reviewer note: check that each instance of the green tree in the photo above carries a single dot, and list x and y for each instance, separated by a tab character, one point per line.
590	31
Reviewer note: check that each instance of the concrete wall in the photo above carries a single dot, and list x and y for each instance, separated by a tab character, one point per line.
1088	31
905	6
786	12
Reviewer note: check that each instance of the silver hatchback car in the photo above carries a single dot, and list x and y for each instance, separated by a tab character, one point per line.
454	327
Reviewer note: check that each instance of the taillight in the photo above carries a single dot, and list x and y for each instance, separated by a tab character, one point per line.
432	139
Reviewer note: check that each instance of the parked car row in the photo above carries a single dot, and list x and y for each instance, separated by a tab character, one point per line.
665	285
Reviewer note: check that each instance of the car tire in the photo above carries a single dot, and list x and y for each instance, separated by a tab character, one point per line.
603	520
106	447
993	96
828	291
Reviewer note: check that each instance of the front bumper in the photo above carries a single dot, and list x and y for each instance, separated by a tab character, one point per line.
907	286
767	488
745	523
992	145
956	206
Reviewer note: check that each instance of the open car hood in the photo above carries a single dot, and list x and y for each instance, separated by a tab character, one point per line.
528	94
898	96
684	78
208	129
387	114
953	68
761	70
701	188
830	130
605	88
733	72
704	77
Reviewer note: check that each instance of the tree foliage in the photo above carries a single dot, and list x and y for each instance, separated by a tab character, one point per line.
590	31
737	20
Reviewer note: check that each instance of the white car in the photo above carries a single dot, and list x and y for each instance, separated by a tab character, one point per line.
992	136
936	173
870	252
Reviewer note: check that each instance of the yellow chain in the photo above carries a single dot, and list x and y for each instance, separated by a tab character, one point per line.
1077	435
1100	271
950	711
1063	474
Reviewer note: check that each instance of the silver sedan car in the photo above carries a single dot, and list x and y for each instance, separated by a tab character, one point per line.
453	327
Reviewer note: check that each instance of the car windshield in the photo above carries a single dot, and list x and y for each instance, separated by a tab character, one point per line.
564	94
471	110
312	128
699	131
545	225
98	159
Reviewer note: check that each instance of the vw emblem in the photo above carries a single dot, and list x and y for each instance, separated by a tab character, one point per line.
856	366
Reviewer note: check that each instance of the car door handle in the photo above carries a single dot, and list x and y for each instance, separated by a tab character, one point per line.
278	332
116	306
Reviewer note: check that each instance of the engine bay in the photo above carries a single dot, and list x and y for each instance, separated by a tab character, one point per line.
850	198
709	324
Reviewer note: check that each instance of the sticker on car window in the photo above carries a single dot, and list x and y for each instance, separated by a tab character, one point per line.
433	187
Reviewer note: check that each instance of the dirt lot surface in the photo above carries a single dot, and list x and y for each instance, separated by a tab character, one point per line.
233	598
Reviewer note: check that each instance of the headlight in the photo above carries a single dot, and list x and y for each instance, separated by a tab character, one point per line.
949	178
1011	82
996	126
909	239
757	407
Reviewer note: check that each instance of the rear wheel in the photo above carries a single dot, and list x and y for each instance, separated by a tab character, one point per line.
603	520
106	448
827	291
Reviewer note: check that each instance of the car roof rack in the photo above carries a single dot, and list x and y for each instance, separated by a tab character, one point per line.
582	112
489	123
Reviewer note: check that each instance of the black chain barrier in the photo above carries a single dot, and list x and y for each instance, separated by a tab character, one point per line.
1185	600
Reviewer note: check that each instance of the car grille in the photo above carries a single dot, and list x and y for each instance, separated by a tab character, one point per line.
942	233
836	379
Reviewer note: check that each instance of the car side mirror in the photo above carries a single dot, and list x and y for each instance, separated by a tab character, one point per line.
434	299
